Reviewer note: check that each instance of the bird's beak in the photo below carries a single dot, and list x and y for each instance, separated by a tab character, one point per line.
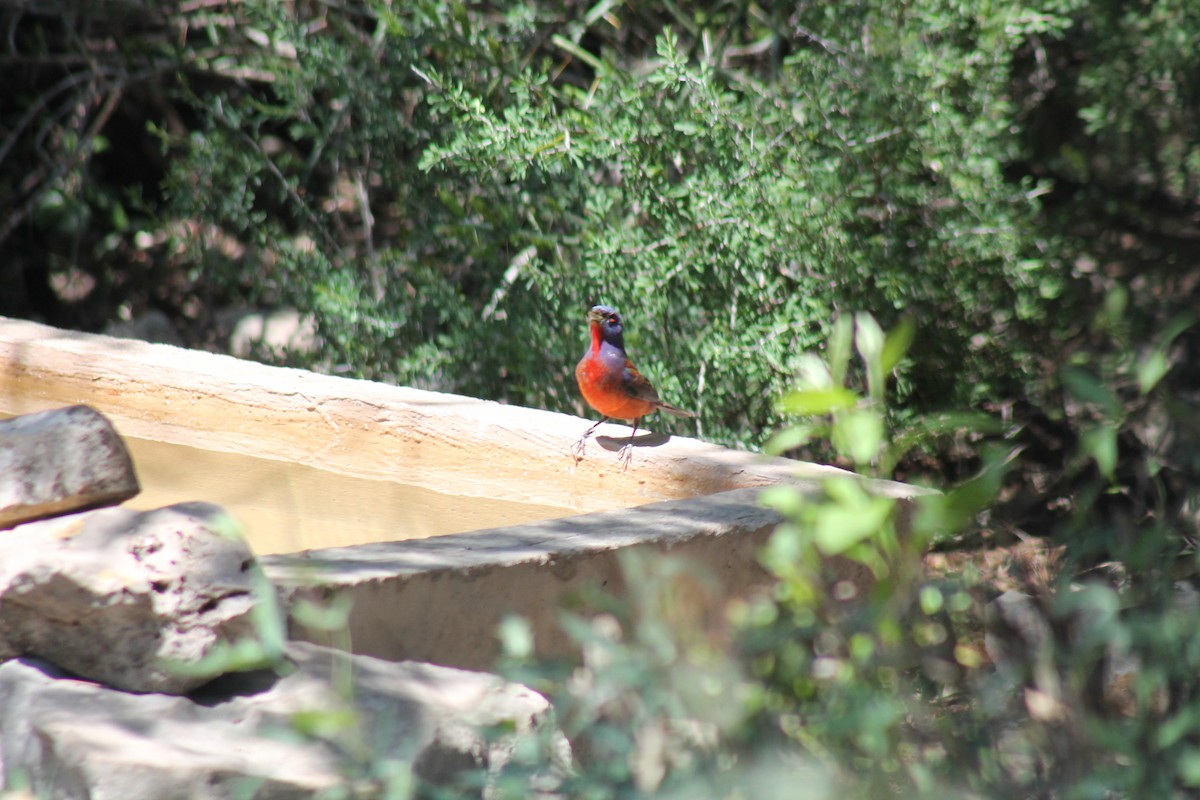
596	317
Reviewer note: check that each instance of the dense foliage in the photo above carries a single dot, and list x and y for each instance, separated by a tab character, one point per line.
876	668
447	186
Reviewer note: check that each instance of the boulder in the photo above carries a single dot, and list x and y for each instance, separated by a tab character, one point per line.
261	735
273	334
151	326
112	595
59	461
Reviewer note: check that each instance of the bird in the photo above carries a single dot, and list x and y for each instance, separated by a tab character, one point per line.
609	381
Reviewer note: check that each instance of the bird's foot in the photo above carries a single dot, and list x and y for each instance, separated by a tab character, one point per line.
580	446
625	456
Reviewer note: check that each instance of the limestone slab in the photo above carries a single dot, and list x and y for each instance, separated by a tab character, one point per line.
59	461
442	599
457	463
111	594
77	740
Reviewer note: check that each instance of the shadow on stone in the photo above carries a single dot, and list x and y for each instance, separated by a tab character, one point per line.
614	443
234	685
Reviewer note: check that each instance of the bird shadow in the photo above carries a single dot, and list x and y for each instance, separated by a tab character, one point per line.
614	443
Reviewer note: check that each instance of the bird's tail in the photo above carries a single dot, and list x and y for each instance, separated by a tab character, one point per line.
670	409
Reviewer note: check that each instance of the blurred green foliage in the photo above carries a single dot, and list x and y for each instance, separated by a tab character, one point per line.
870	671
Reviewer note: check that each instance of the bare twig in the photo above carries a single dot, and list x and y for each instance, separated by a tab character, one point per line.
67	164
38	105
510	276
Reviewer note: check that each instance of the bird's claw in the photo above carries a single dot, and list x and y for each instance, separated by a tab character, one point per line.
625	456
578	449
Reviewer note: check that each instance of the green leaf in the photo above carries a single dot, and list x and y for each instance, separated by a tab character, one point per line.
1156	365
898	340
1115	303
1151	369
812	372
817	401
787	500
792	437
326	723
1189	765
858	434
567	46
841	340
869	338
931	599
1100	443
852	517
950	512
1085	386
331	614
516	636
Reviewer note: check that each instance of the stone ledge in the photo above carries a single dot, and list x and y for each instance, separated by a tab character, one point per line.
193	418
441	600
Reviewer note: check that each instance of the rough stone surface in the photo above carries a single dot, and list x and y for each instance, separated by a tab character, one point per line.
76	740
369	430
107	595
277	333
152	326
467	583
58	461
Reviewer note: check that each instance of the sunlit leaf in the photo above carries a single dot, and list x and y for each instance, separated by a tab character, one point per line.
813	373
858	434
856	516
792	437
818	401
896	344
1100	443
931	599
516	636
1151	369
868	338
841	342
325	723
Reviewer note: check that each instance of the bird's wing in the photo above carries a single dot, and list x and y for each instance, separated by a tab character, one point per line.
638	385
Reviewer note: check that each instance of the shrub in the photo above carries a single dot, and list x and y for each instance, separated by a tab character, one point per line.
484	177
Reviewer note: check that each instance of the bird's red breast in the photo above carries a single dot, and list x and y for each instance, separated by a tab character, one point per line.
610	392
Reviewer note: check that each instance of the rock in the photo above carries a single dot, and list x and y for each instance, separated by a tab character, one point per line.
127	591
58	461
239	737
274	333
151	326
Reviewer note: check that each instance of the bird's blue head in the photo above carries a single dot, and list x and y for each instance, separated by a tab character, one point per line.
606	326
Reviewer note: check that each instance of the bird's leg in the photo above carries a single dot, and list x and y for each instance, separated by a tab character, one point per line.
577	450
626	452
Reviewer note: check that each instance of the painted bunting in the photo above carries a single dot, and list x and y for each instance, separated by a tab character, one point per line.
609	381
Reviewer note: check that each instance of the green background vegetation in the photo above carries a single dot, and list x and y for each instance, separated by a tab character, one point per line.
1010	188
